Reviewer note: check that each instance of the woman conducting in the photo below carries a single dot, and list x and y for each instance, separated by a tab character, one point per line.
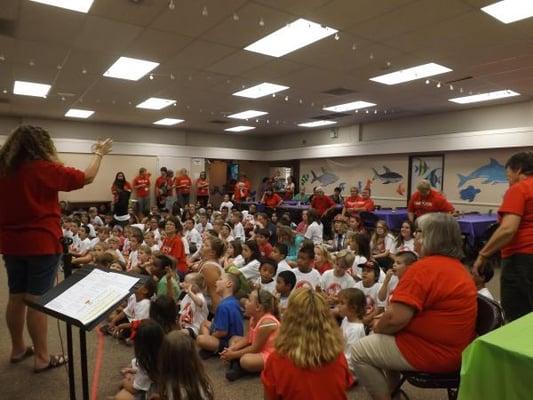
31	176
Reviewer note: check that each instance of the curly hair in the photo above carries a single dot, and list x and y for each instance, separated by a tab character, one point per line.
26	143
309	335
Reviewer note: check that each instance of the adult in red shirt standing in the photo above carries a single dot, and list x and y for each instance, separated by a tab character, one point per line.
31	176
173	245
308	361
323	205
202	189
141	184
183	188
241	192
160	188
426	200
514	237
432	316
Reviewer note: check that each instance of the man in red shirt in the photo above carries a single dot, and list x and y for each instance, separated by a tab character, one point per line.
160	188
514	237
426	200
271	199
241	193
141	185
30	179
321	203
183	187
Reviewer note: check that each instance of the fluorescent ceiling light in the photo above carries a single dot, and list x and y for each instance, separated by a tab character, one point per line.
155	103
411	74
314	124
500	94
31	89
169	121
293	36
263	89
248	114
131	69
508	11
354	105
77	113
240	128
74	5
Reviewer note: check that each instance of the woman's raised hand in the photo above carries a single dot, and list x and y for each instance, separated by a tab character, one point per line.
103	146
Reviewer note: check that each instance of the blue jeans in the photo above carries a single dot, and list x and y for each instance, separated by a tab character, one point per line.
31	274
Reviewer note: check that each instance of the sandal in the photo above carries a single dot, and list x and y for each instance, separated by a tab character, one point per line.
28	353
55	361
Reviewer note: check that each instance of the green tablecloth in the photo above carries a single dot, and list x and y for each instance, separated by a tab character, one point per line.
499	365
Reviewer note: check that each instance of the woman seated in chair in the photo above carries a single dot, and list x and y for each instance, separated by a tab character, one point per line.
432	314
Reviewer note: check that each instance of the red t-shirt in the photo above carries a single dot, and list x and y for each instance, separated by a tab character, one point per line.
174	247
183	184
351	202
143	191
445	298
283	380
266	249
518	200
29	207
367	204
272	201
321	204
240	195
433	202
202	191
159	182
324	267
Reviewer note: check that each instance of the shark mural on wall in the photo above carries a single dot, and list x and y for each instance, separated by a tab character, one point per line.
388	176
493	172
327	178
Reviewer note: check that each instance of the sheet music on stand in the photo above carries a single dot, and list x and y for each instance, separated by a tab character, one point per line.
91	296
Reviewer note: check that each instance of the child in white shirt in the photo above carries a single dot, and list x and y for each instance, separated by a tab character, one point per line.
226	203
267	272
402	261
336	279
370	286
238	228
285	282
352	307
279	254
193	306
306	275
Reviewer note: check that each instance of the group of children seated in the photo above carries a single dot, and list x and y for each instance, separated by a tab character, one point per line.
214	275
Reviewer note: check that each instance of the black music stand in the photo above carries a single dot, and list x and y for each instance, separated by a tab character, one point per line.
70	280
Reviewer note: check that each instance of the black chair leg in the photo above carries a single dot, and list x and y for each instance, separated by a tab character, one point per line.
398	389
452	394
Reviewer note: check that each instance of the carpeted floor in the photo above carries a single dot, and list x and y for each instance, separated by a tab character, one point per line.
19	381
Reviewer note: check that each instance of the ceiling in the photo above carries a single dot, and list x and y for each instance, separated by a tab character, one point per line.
205	56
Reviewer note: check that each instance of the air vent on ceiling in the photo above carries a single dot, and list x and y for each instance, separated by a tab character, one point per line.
460	80
7	27
331	116
340	91
219	121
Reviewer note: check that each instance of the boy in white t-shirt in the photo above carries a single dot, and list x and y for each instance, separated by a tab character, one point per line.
238	228
83	245
336	279
267	272
306	275
193	306
279	254
285	283
370	286
226	203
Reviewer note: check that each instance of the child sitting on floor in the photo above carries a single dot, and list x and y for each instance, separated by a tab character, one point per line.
261	237
338	278
306	275
249	354
267	272
285	282
227	322
193	307
352	308
182	374
279	255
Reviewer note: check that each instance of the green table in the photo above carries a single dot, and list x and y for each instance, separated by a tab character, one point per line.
499	365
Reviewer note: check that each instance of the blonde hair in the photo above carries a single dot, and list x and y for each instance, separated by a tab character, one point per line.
325	253
26	143
375	237
344	258
309	335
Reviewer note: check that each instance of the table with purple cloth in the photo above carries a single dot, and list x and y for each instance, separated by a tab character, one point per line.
394	218
474	226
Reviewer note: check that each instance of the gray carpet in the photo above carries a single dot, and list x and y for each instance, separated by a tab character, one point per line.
19	382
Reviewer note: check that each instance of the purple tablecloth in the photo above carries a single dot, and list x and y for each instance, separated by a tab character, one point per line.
394	218
475	225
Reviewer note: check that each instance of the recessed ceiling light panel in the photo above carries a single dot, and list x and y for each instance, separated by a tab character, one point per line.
261	90
155	103
315	124
82	6
508	11
476	98
240	128
25	88
131	69
169	121
291	37
248	114
411	74
354	105
77	113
